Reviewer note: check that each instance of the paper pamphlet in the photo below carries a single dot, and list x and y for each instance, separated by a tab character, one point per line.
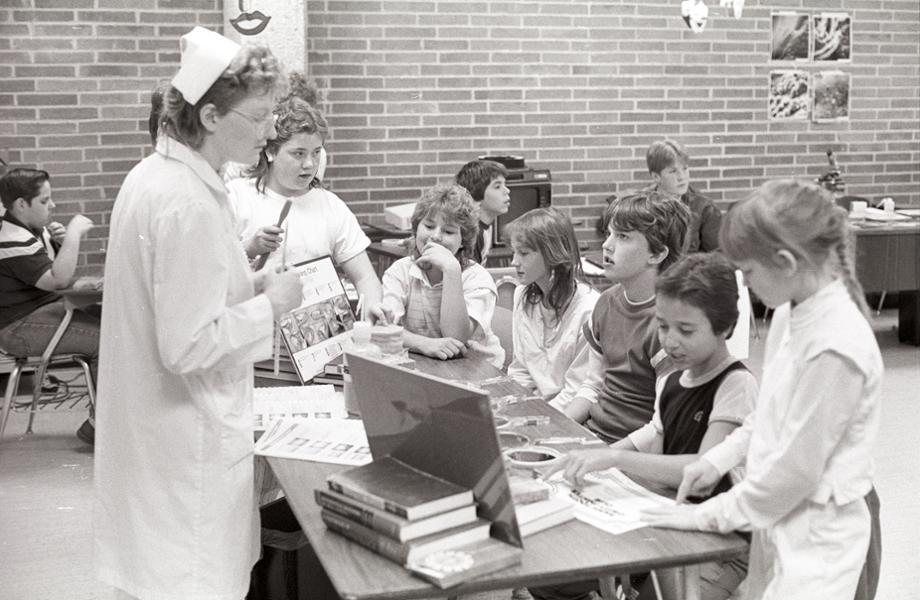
342	442
318	330
306	402
610	501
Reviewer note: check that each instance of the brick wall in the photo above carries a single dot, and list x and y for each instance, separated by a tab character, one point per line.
75	82
416	88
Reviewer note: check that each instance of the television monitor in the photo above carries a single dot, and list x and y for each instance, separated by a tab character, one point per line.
530	189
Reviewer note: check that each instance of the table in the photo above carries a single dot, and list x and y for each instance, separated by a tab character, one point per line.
570	552
888	260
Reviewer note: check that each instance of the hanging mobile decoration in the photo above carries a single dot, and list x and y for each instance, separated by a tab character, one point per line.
737	6
695	14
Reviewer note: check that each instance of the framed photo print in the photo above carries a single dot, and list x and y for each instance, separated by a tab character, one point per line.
791	36
831	37
789	96
831	93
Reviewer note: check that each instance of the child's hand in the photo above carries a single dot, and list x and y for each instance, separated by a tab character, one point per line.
442	348
382	314
699	479
266	239
56	231
78	226
438	257
679	516
579	463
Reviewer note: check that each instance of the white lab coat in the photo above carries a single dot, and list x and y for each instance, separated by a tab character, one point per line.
174	509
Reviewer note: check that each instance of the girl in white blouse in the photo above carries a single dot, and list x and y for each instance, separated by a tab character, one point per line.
550	306
807	446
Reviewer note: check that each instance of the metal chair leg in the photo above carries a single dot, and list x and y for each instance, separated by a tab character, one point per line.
11	388
881	302
90	384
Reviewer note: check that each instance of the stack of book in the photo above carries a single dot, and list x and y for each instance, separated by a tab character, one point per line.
413	518
535	506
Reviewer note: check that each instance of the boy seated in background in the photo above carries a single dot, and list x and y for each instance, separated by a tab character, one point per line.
617	396
485	181
669	165
38	257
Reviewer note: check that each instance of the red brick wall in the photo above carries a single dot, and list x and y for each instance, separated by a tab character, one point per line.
414	89
75	82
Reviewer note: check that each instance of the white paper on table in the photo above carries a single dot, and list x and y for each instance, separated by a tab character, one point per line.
338	441
610	500
304	401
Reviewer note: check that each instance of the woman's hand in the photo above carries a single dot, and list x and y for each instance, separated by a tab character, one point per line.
678	516
579	463
265	240
284	291
700	477
441	348
438	257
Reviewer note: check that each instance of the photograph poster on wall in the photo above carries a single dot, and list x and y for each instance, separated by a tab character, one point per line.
831	37
789	98
791	36
320	329
831	93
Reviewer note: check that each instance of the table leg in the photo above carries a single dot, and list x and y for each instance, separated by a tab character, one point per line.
909	317
690	582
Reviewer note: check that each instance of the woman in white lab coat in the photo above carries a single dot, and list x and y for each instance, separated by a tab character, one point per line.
183	320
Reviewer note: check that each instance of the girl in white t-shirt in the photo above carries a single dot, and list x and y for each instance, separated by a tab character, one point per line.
550	305
317	222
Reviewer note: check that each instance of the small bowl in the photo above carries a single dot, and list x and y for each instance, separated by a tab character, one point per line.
512	439
531	456
501	421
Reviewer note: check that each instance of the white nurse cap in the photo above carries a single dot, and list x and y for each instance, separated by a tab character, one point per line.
205	55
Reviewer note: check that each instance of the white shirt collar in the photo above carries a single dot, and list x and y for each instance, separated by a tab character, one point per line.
176	150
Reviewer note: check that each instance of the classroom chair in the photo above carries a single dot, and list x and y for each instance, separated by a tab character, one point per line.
15	366
505	282
501	326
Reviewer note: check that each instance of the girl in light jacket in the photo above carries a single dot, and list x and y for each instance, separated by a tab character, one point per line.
807	494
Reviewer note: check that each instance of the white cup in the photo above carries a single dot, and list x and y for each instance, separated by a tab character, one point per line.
858	209
888	205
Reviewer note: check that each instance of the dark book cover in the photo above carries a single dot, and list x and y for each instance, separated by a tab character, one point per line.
398	488
389	524
447	568
403	552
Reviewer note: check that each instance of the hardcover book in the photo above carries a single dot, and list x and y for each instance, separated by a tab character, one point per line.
389	524
319	330
544	514
447	568
394	486
404	552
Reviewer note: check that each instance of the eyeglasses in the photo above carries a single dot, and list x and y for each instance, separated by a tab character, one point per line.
261	124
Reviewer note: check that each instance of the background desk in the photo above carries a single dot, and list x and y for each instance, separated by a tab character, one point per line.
888	260
570	552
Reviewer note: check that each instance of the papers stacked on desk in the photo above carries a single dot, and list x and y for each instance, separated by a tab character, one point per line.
304	402
341	442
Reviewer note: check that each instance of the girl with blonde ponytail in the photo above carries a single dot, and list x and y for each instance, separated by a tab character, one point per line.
807	494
